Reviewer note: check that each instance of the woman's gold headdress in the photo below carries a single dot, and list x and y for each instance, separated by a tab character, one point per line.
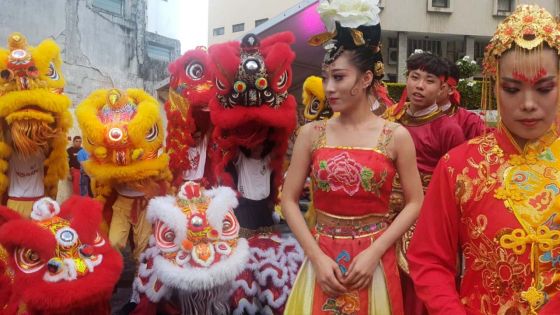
527	29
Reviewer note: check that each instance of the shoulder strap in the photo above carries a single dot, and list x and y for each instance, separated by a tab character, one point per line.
386	136
321	139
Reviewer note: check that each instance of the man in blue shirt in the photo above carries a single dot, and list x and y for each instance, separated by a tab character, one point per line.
85	187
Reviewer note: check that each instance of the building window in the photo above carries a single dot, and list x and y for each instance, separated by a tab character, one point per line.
159	52
393	42
259	22
440	3
113	6
504	7
479	51
433	46
442	6
218	31
238	27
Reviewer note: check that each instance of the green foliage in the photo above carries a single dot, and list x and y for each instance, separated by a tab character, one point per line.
467	67
395	90
471	92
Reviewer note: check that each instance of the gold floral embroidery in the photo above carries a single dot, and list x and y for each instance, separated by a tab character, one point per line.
512	194
485	180
345	304
463	187
489	149
528	159
502	274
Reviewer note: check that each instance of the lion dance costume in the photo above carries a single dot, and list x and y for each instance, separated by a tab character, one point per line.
57	262
253	117
35	120
189	128
194	254
315	105
122	133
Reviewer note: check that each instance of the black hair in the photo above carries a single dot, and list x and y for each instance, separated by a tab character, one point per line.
76	138
366	56
427	62
452	69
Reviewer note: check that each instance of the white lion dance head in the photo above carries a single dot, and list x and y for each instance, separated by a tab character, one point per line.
195	252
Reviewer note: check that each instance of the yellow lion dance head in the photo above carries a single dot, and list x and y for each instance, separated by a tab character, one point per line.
33	109
315	103
123	133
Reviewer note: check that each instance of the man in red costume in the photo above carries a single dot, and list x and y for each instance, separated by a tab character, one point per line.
433	133
449	102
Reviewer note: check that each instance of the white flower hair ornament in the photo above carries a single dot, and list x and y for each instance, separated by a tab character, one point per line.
349	13
356	17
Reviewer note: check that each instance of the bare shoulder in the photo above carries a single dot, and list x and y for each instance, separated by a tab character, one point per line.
311	130
399	132
400	142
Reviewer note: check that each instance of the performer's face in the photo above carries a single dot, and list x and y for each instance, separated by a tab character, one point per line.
343	83
528	93
423	88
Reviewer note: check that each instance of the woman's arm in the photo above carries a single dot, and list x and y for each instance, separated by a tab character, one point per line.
327	271
361	270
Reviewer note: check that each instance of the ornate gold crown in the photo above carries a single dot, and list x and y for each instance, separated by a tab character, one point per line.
527	27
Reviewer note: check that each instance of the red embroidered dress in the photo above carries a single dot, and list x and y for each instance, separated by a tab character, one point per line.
499	207
351	183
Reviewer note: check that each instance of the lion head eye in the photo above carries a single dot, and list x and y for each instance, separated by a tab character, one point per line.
153	133
28	260
282	80
195	70
165	236
52	73
230	226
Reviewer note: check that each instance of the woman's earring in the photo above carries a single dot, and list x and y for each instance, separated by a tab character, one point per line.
354	91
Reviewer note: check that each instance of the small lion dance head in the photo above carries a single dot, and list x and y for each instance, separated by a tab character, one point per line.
57	261
33	107
195	252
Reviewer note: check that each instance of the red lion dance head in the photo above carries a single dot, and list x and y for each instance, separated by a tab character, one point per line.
187	110
252	106
57	262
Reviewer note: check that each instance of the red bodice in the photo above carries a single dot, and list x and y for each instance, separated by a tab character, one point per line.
351	181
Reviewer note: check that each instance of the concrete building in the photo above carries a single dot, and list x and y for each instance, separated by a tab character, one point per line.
450	28
105	43
230	20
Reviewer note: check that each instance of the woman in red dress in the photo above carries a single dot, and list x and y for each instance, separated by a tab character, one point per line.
495	199
351	266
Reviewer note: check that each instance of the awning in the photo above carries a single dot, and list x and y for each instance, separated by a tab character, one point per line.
302	20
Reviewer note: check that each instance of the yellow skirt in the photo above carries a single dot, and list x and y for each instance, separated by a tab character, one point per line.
301	298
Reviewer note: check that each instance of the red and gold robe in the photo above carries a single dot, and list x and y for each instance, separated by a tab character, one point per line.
471	123
497	205
433	134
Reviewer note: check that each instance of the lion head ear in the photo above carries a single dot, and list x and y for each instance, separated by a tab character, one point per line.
47	59
7	214
84	215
